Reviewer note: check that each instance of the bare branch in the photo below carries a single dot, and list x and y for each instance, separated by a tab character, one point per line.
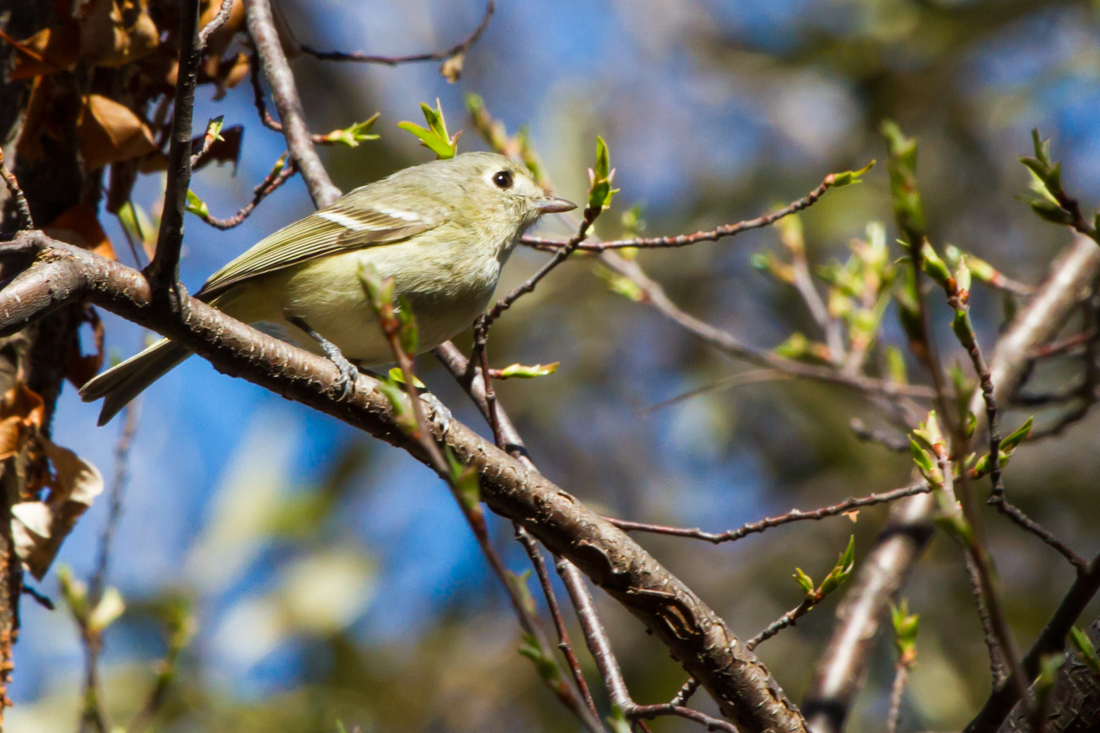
280	173
26	221
164	269
795	515
451	52
215	23
684	240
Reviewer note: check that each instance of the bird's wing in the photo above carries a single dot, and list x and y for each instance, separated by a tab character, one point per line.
351	223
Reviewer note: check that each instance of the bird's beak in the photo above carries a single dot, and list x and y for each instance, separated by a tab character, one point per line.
552	205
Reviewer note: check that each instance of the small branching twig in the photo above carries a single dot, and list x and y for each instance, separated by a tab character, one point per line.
870	435
215	23
795	515
813	595
446	55
280	173
26	221
996	658
833	180
624	707
399	328
212	134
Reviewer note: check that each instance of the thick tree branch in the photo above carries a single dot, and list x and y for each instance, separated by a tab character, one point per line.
694	634
261	26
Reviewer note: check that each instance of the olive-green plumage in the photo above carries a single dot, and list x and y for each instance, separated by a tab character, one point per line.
443	230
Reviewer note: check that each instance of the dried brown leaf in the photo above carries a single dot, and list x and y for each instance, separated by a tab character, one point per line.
79	226
39	527
116	32
109	132
46	52
22	413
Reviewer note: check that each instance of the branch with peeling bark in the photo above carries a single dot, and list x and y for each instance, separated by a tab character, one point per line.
694	634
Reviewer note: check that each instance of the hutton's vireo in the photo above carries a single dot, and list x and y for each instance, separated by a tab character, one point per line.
442	230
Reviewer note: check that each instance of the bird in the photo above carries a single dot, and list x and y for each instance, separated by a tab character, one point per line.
443	230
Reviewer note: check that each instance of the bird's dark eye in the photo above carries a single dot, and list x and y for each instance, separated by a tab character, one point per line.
503	179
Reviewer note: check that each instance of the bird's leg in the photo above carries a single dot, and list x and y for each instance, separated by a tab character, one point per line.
348	371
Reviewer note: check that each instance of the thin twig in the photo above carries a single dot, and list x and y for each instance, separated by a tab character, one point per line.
114	512
284	92
215	23
996	659
280	173
26	221
795	515
164	269
456	50
684	240
475	518
564	643
790	618
654	295
892	442
901	678
600	647
687	691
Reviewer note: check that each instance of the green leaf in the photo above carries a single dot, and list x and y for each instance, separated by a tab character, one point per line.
465	481
632	221
137	223
805	582
435	137
847	178
619	284
934	266
340	726
1084	646
617	721
600	191
523	591
1049	211
519	371
397	376
1017	436
357	133
844	565
214	127
905	630
196	206
962	274
408	334
896	369
107	611
545	665
902	165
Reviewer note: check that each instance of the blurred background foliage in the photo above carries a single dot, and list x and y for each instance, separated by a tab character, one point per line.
331	577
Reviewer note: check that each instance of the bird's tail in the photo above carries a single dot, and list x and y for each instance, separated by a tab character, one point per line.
122	383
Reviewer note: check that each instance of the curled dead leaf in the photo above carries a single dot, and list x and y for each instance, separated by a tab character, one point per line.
109	132
116	32
39	527
79	226
22	413
46	52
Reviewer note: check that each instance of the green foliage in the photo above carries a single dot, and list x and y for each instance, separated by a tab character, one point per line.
545	664
465	481
617	721
195	205
435	137
896	370
845	563
805	582
1048	196
619	284
1084	646
902	165
905	631
847	178
519	371
799	348
359	132
600	191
